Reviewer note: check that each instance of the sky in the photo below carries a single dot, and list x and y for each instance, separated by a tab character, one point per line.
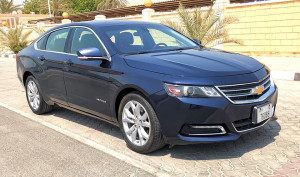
16	2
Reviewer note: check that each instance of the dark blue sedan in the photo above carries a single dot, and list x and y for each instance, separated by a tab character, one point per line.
157	85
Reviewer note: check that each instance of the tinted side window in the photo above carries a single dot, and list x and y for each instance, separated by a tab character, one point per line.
84	38
57	40
41	43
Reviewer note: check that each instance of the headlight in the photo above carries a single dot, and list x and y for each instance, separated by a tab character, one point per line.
191	91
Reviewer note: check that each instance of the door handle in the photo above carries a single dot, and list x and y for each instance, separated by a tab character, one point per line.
42	58
68	62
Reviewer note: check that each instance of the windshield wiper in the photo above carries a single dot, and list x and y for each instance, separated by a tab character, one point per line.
182	49
137	53
155	51
178	49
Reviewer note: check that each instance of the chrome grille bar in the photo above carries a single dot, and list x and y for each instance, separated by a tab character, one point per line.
236	90
242	93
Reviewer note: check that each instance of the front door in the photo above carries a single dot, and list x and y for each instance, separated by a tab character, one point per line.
87	82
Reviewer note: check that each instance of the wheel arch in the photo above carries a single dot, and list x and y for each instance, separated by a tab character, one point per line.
25	76
125	91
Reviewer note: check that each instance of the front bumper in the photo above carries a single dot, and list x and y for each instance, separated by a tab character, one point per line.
174	113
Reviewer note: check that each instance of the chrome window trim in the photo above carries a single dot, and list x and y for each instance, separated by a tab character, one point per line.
36	48
262	98
86	58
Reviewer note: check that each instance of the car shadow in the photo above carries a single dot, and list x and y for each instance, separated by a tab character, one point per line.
225	150
87	121
208	151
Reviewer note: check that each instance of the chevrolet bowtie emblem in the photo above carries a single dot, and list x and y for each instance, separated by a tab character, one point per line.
257	90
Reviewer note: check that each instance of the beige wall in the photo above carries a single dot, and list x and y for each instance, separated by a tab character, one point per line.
166	16
271	29
23	17
266	28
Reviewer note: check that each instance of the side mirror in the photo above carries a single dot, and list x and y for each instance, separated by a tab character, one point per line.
197	41
92	53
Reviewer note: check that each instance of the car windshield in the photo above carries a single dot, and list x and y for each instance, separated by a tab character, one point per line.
137	39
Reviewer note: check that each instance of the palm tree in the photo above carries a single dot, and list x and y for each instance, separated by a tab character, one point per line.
209	27
39	30
57	6
7	6
109	4
16	40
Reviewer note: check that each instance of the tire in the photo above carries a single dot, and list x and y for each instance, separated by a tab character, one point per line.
33	91
135	136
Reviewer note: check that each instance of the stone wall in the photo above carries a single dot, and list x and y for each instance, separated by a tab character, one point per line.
267	29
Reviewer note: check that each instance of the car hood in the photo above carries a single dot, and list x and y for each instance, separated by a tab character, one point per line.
195	63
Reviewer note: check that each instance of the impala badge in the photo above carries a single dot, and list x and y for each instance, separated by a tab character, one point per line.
98	99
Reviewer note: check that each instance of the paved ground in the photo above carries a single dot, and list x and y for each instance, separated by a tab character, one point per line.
30	149
271	151
281	63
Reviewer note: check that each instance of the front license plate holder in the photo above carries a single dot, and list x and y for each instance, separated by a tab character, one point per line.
261	113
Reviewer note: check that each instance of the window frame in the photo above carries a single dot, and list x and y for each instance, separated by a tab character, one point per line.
71	37
122	53
45	38
68	45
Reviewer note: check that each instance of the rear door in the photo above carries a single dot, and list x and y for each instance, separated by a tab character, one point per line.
87	82
52	56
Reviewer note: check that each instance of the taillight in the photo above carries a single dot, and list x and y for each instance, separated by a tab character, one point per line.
16	56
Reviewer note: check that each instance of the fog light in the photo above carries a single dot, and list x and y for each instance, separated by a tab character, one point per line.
199	130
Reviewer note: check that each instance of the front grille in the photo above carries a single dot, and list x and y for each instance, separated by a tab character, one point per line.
242	93
246	124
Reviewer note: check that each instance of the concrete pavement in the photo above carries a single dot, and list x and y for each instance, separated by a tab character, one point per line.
285	68
290	64
28	148
273	150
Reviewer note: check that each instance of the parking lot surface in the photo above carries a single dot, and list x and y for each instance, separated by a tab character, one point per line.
270	151
28	148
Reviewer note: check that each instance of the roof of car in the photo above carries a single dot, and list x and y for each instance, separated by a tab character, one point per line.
106	23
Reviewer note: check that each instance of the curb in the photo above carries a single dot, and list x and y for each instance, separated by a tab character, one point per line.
282	75
286	75
8	56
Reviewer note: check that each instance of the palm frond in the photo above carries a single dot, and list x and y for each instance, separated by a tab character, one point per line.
207	26
7	6
57	6
24	38
109	4
16	40
39	31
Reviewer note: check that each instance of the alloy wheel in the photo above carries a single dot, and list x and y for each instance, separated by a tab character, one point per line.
136	123
33	95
